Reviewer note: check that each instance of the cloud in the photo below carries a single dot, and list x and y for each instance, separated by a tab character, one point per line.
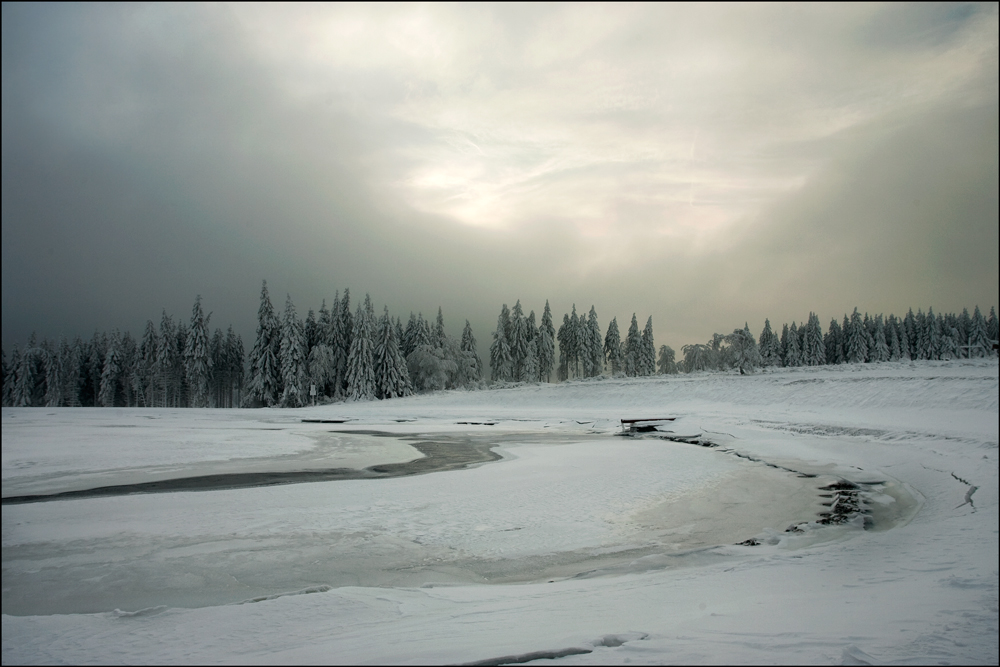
704	164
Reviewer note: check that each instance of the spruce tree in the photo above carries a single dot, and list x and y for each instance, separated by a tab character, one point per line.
647	350
769	346
111	372
832	343
979	338
633	349
468	345
857	344
501	364
880	351
54	371
546	345
292	357
197	357
361	384
613	348
595	344
343	341
517	339
391	376
992	330
793	353
264	367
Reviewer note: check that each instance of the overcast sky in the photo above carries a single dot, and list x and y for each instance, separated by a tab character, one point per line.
704	164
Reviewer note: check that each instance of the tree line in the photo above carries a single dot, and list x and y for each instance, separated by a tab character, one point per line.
341	355
858	339
523	352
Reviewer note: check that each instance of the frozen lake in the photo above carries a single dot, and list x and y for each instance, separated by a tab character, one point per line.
558	504
562	537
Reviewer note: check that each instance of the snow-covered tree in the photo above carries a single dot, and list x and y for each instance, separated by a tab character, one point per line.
647	350
265	370
697	357
10	376
814	351
546	345
992	327
361	382
517	339
880	351
744	352
292	356
54	372
833	341
613	348
769	346
979	337
111	372
468	345
566	339
856	346
501	363
633	349
391	376
595	344
197	357
342	341
667	364
793	352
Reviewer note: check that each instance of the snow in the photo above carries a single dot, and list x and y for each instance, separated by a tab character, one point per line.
578	546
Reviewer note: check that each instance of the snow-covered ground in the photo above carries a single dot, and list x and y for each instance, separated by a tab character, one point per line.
578	545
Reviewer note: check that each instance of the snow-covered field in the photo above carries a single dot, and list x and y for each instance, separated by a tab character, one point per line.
578	545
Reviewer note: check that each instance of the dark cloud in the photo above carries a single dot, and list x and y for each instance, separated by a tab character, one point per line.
703	165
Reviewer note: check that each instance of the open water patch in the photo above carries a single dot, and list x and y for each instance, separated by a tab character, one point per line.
440	453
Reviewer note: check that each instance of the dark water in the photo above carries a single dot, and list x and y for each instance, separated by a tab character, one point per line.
439	454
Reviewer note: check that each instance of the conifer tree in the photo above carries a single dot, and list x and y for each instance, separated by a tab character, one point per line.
992	330
197	357
546	345
501	364
784	343
361	384
438	335
71	380
613	348
934	334
11	395
234	356
292	358
857	344
880	351
594	343
633	349
264	367
793	353
54	371
979	338
565	338
517	339
111	372
468	345
769	346
391	376
343	341
647	350
892	335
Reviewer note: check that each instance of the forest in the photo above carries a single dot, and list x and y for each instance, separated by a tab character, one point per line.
343	355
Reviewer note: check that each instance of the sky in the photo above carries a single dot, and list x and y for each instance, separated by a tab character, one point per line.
706	165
